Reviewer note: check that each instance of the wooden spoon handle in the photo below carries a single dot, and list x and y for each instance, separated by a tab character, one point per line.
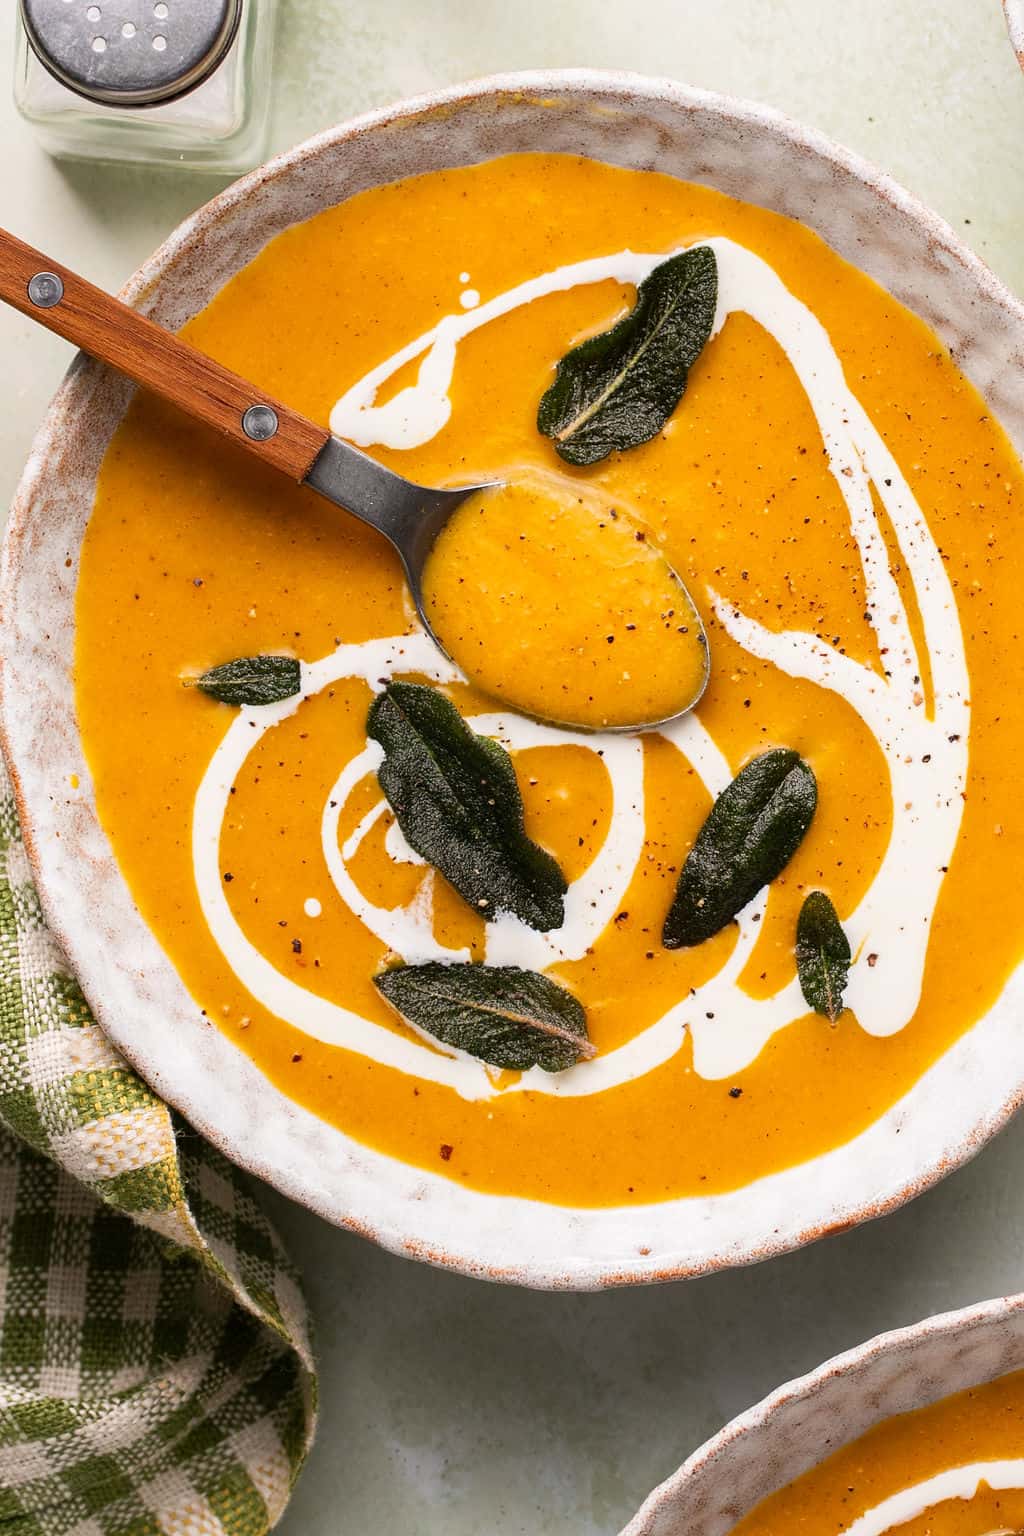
113	333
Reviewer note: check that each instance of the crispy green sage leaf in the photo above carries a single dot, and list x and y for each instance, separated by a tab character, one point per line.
822	956
754	828
457	802
252	680
617	390
503	1015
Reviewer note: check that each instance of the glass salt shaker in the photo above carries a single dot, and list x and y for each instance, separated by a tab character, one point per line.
167	82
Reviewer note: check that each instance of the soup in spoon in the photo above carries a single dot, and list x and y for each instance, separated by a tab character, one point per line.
551	597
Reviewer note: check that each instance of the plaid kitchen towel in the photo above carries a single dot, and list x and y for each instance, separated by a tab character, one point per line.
156	1376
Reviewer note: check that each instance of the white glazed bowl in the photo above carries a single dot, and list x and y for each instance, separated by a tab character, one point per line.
1015	26
806	1420
633	121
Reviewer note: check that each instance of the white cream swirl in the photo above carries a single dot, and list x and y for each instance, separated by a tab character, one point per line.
926	756
956	1483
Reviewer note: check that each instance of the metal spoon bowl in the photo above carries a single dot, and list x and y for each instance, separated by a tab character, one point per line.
412	517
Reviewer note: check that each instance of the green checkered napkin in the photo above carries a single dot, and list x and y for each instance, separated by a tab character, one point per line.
156	1376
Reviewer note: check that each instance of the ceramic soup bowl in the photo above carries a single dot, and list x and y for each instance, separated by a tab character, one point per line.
1015	25
806	1420
740	149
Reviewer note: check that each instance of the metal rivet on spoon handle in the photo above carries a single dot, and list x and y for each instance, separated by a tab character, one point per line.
45	289
260	423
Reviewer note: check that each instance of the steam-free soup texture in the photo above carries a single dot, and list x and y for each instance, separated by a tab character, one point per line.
954	1468
845	513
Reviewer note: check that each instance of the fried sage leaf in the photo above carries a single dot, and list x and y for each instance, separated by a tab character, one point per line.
754	828
617	390
252	680
457	802
503	1015
822	956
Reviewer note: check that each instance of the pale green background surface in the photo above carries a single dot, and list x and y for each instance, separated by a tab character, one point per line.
450	1405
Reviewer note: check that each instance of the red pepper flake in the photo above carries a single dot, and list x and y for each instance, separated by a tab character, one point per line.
735	1093
446	1152
872	961
297	1057
297	946
228	879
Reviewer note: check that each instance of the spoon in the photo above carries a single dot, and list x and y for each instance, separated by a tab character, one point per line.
410	516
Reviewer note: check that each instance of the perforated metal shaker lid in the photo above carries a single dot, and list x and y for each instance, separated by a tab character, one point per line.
131	53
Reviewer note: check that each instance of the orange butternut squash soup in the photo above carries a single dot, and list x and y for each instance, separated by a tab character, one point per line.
955	1468
585	966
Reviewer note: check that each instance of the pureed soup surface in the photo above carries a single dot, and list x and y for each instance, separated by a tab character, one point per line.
851	547
955	1468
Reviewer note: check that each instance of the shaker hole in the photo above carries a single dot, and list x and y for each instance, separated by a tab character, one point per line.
99	45
93	13
160	11
159	43
128	30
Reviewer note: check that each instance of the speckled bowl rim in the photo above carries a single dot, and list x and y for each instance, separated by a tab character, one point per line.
1014	12
419	1213
655	1515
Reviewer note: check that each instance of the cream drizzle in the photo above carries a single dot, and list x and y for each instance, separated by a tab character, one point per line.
926	759
957	1483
